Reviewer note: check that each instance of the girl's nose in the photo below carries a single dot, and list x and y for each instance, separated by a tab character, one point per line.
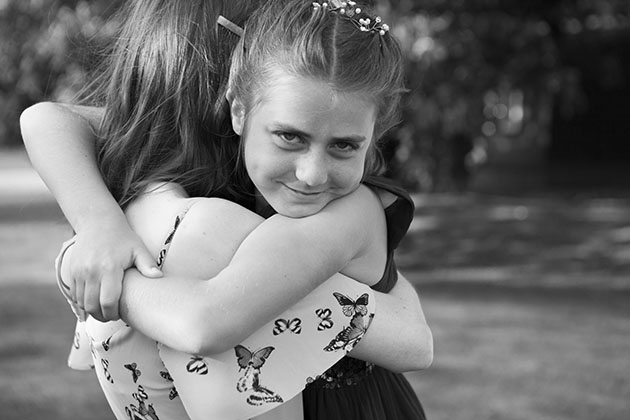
312	169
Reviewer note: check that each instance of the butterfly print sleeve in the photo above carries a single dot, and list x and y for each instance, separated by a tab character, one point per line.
275	363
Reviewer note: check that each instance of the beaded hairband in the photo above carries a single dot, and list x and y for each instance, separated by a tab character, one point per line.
348	9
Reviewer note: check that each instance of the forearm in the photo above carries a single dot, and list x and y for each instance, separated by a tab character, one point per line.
267	273
399	337
203	316
60	141
263	278
195	307
164	310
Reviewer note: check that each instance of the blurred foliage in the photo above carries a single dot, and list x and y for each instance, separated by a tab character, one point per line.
465	60
468	59
45	48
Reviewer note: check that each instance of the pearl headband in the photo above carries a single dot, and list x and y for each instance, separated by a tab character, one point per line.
348	9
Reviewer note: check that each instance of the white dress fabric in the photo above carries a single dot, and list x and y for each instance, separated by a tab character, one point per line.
143	379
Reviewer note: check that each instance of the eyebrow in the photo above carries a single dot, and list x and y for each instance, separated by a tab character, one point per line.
287	127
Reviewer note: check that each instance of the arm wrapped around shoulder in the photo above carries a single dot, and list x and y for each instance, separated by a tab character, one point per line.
276	362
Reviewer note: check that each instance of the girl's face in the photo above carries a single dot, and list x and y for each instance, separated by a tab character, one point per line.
304	143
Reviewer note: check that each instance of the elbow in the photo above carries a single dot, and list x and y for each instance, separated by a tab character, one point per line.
418	355
210	343
212	338
34	118
424	357
28	120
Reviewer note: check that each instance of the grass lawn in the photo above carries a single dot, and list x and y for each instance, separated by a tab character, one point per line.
527	355
516	335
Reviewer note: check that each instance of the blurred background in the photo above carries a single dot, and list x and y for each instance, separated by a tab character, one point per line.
515	145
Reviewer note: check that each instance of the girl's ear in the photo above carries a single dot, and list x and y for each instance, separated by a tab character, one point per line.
237	112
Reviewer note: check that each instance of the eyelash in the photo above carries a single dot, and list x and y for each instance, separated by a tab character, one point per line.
348	146
283	135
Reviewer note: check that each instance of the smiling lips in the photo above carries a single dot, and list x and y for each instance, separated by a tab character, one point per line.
304	193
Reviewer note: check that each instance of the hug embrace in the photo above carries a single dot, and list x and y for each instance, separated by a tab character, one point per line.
234	247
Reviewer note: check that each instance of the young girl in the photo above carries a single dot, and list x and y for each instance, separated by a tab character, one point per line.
324	141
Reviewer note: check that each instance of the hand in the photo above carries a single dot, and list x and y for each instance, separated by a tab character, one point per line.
99	258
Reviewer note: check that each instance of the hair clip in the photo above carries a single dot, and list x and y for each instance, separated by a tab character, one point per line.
230	26
348	9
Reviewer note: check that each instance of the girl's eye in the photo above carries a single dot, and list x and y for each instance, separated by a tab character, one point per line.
346	146
289	137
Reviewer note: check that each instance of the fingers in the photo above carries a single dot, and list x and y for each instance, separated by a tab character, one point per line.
98	291
91	301
110	291
77	291
97	268
145	263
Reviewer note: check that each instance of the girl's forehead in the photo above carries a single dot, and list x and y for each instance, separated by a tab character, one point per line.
318	95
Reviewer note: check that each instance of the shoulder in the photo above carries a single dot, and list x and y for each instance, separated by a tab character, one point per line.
153	213
207	234
224	220
389	191
349	213
352	227
399	207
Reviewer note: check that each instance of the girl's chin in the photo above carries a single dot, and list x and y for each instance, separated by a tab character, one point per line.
298	211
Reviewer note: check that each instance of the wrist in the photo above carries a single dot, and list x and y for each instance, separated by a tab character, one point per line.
103	217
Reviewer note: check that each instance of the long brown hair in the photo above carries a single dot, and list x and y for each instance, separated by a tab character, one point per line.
163	89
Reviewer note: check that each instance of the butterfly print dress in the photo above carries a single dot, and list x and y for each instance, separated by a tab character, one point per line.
145	380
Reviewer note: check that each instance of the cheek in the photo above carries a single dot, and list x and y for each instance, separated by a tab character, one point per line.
263	162
350	173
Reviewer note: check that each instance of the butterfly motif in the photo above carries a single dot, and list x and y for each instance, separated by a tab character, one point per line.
250	381
175	226
245	357
142	393
197	365
106	344
262	395
135	372
325	316
160	259
281	325
77	340
350	307
142	412
164	374
108	376
347	338
140	396
169	239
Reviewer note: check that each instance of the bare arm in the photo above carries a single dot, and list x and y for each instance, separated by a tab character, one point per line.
399	337
60	140
173	309
275	265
